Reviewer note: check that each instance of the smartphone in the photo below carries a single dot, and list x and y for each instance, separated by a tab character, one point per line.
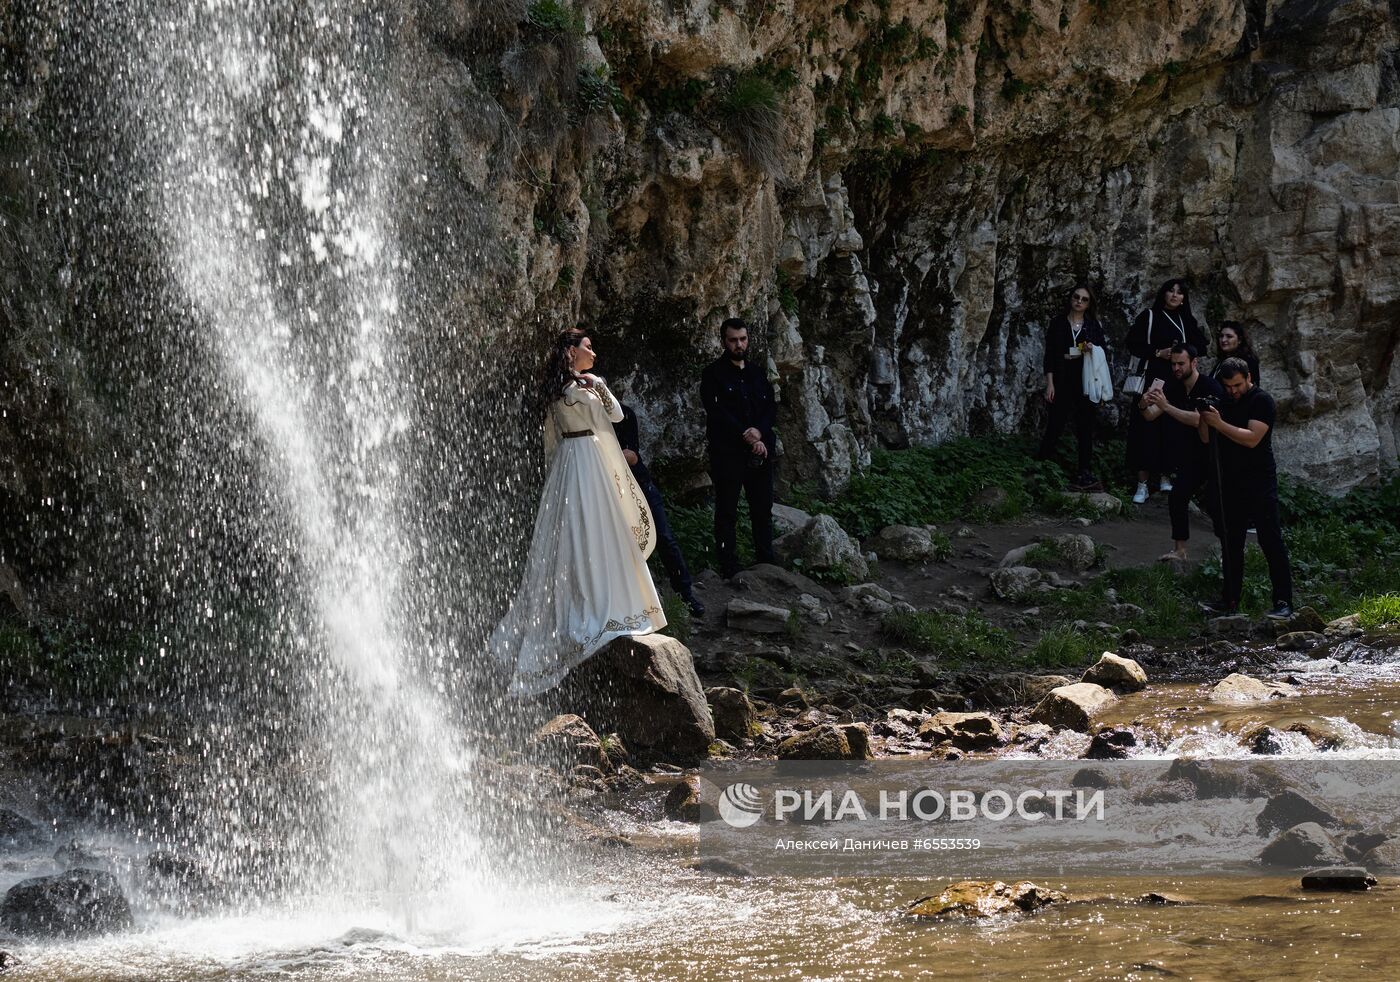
1157	383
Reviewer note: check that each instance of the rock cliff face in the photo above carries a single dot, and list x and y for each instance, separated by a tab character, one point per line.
897	194
937	175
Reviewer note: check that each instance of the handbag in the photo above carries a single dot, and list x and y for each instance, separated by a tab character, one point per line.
1137	380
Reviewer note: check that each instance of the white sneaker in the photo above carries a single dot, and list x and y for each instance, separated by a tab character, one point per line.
1166	485
1140	495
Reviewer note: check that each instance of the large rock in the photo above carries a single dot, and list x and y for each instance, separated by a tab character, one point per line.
733	713
76	903
788	519
1338	878
905	543
756	618
966	731
824	742
645	689
823	548
18	832
1016	689
567	741
1072	706
1074	550
1244	688
1015	583
690	800
1307	844
978	899
1291	808
1118	674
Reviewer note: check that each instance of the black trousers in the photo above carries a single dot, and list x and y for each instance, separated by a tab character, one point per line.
1256	506
1152	445
671	556
1196	471
1070	405
731	475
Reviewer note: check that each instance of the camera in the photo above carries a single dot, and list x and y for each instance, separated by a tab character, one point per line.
1207	402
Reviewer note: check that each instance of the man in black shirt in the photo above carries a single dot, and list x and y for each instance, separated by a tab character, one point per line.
1180	400
1249	486
670	549
739	415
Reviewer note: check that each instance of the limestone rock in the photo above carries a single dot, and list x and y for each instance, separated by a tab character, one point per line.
756	618
822	546
733	713
1304	620
1291	808
905	543
690	800
1016	689
1229	626
1014	583
1072	706
1300	640
567	740
1102	502
788	519
966	731
1118	674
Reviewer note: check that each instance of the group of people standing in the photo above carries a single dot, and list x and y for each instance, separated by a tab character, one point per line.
1189	433
601	515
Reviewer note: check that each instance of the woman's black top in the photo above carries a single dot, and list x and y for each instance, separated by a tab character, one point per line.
1167	329
1059	337
1249	360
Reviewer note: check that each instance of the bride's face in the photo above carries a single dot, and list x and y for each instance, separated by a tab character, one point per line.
581	356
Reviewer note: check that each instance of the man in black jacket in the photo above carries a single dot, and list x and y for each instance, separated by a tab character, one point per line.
739	413
670	549
1250	486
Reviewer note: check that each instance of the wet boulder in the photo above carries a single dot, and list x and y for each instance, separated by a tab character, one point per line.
1243	688
1229	626
690	800
1338	878
76	903
1072	706
1119	674
1300	640
966	731
1304	619
18	832
824	742
644	689
567	741
1016	689
972	899
1288	809
1111	744
1307	844
858	738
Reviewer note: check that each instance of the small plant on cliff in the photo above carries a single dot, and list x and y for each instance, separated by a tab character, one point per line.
750	111
553	19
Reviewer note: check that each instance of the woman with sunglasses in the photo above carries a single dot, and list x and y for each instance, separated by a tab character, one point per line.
1070	338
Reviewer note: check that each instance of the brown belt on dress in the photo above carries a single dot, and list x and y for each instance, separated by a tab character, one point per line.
574	434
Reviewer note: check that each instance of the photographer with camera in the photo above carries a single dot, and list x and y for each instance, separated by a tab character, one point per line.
1249	487
1181	399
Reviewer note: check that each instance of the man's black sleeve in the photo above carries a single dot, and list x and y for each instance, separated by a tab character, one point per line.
627	431
1262	408
1055	347
1138	341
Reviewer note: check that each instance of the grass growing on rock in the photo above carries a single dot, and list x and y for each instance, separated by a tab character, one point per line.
953	638
751	114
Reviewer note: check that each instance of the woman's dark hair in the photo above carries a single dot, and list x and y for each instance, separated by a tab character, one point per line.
1245	349
557	373
1091	311
1160	303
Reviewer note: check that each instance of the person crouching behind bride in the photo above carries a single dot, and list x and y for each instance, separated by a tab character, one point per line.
586	580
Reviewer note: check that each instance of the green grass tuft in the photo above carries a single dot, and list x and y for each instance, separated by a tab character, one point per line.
1375	613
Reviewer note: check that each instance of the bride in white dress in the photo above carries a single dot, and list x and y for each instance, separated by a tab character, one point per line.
586	580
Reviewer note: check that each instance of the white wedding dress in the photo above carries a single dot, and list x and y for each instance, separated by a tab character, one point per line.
586	580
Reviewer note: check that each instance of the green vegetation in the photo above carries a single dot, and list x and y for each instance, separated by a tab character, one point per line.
750	113
1375	613
551	18
1065	647
678	621
954	638
597	92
